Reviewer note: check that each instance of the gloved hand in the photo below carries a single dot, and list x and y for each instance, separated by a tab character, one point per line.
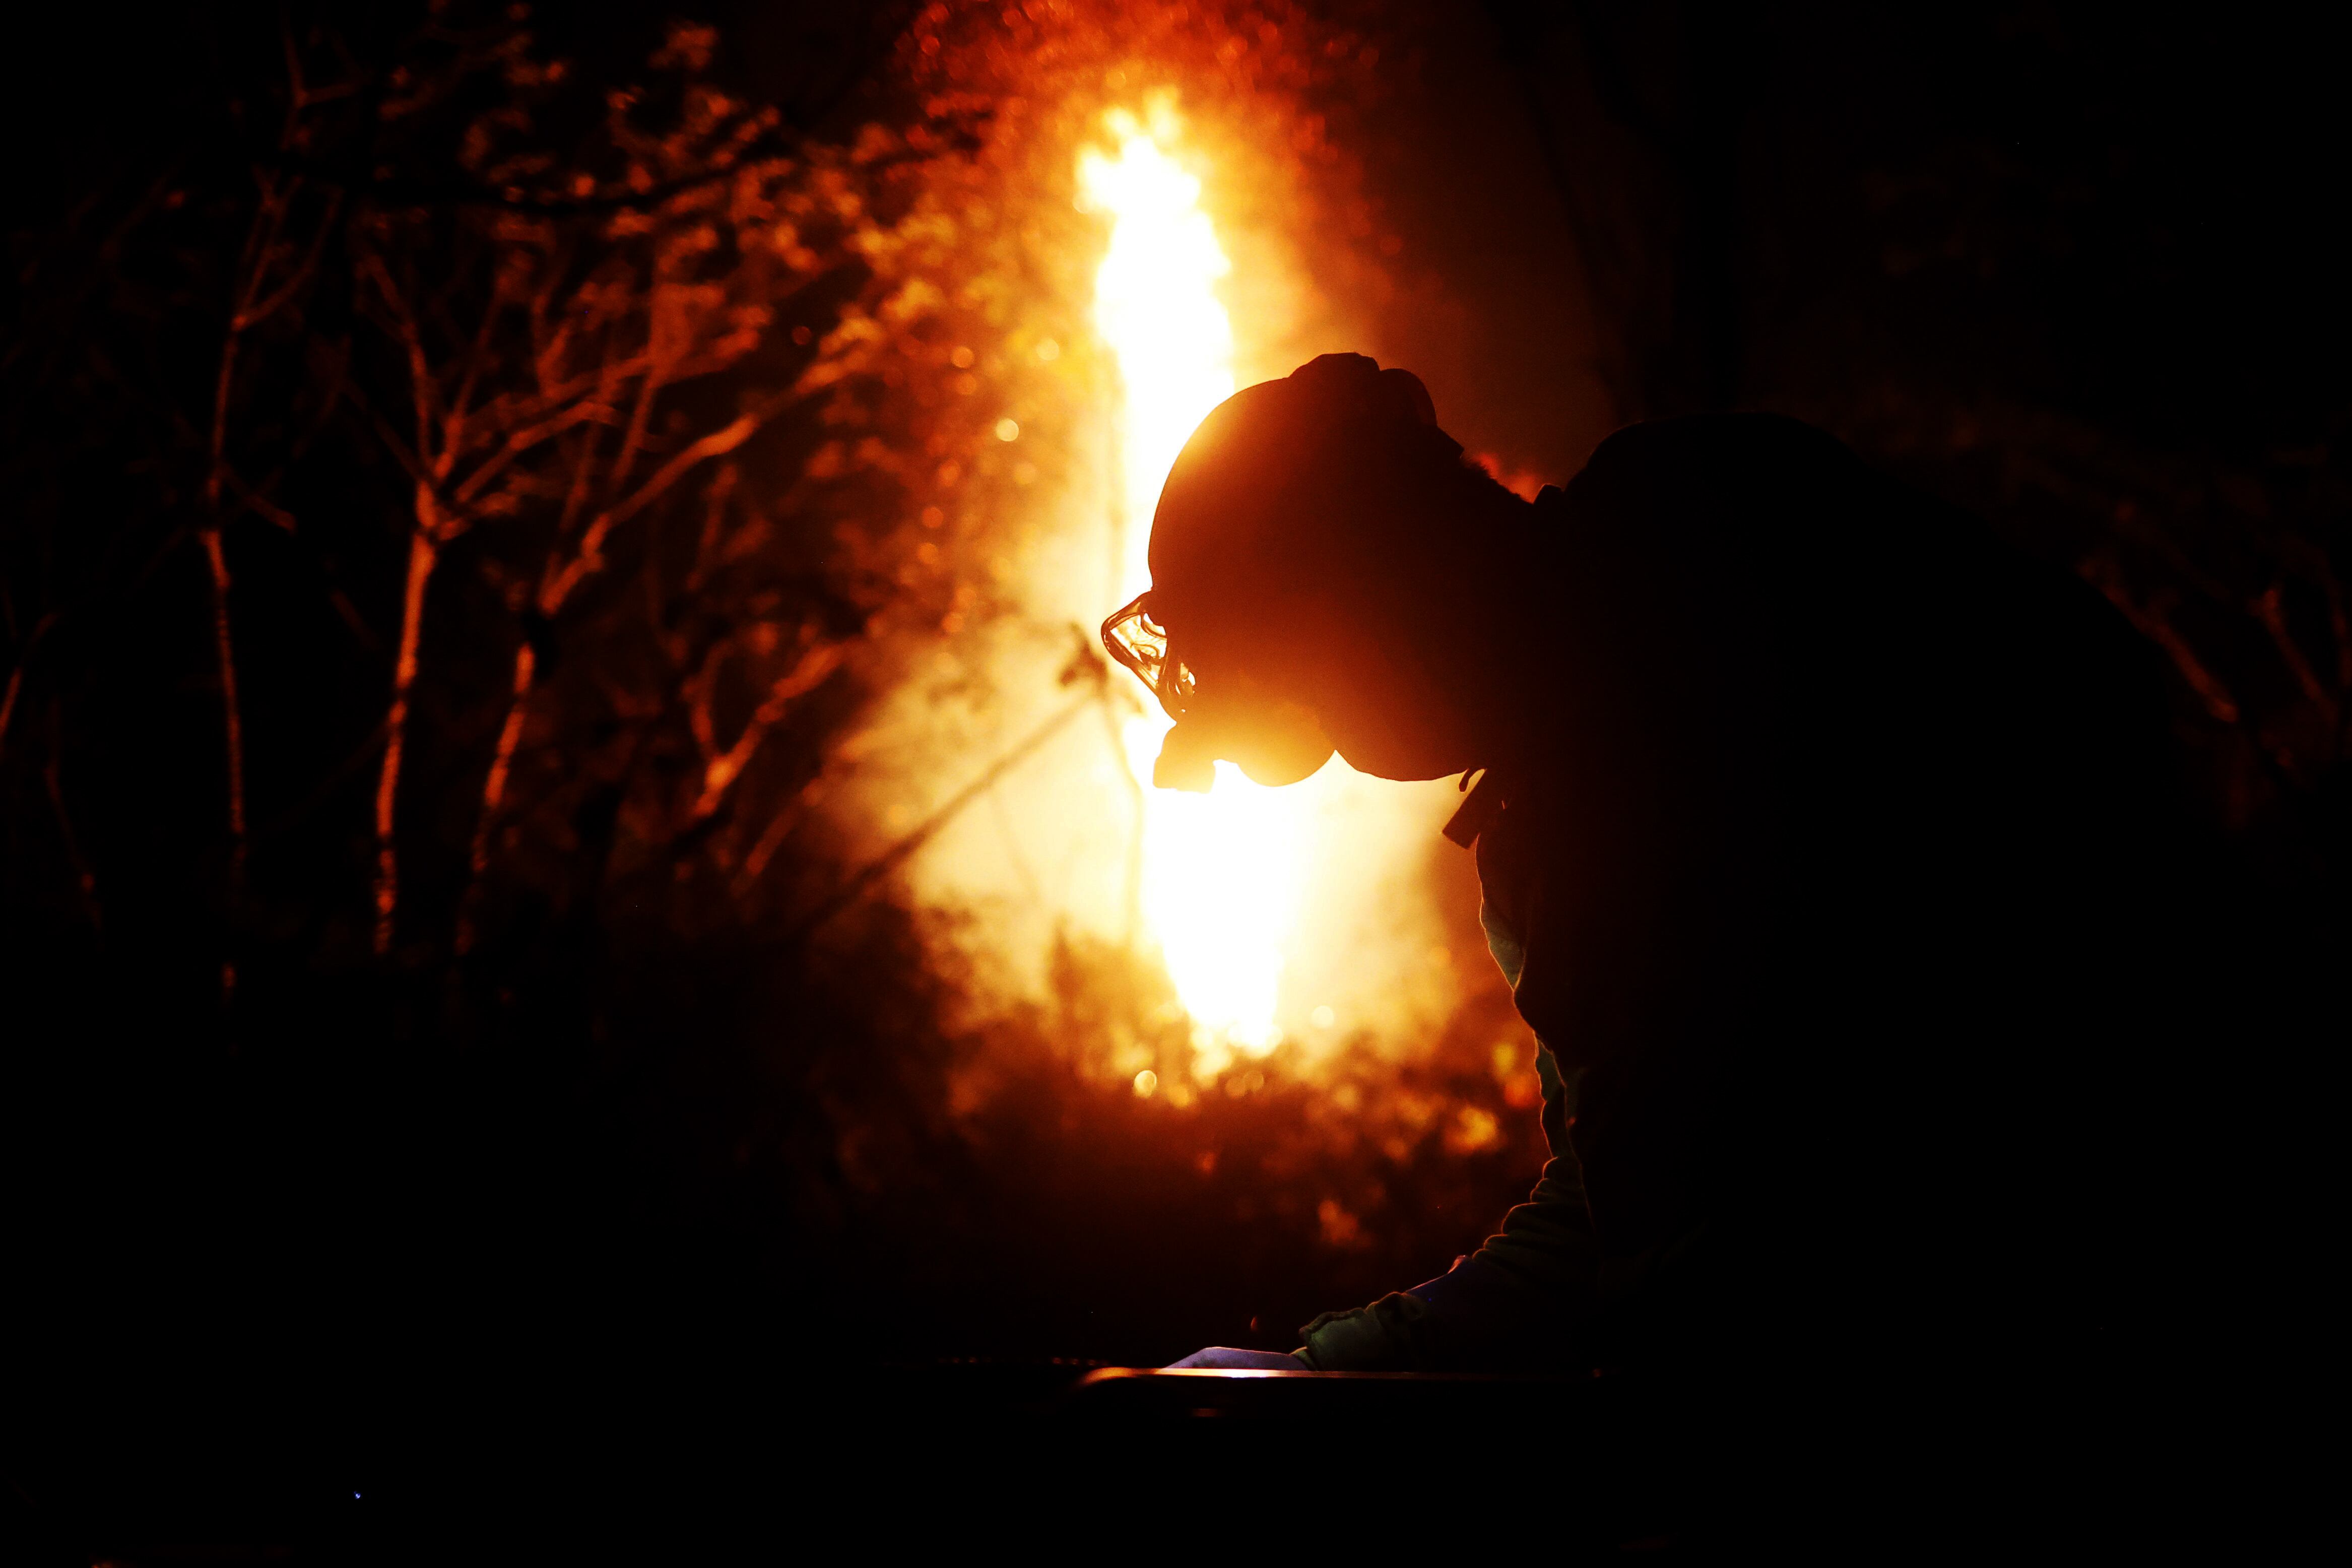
1226	1358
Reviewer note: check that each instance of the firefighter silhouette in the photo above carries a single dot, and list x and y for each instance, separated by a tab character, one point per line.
1821	840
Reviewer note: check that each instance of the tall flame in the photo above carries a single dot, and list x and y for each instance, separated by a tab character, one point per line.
1222	872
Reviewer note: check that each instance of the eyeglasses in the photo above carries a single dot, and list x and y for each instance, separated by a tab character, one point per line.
1141	644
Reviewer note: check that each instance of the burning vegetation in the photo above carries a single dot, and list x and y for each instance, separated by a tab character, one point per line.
641	546
553	704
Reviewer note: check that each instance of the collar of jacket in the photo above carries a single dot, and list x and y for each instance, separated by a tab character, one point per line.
1480	804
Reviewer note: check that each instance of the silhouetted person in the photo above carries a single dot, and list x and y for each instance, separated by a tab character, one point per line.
1823	841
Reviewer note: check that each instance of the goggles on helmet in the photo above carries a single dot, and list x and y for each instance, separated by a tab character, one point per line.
1143	644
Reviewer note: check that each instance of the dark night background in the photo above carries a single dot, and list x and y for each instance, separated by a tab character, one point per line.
599	1118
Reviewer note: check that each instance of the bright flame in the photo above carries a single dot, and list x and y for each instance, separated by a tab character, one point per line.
1222	872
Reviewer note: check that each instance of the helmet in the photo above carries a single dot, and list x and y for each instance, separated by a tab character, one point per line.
1249	524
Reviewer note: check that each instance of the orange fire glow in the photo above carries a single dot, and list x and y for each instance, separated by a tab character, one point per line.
1222	872
1299	928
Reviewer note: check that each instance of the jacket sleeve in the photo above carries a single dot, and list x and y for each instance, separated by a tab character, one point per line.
1521	1298
1518	1302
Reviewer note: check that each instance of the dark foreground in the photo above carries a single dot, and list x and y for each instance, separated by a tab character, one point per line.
1108	1459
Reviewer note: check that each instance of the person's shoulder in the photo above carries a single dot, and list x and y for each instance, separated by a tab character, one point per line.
1716	449
1722	487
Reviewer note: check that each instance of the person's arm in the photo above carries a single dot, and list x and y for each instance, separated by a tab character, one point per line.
1518	1299
1515	1302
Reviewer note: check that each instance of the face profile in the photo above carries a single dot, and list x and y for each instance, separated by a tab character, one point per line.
1270	734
